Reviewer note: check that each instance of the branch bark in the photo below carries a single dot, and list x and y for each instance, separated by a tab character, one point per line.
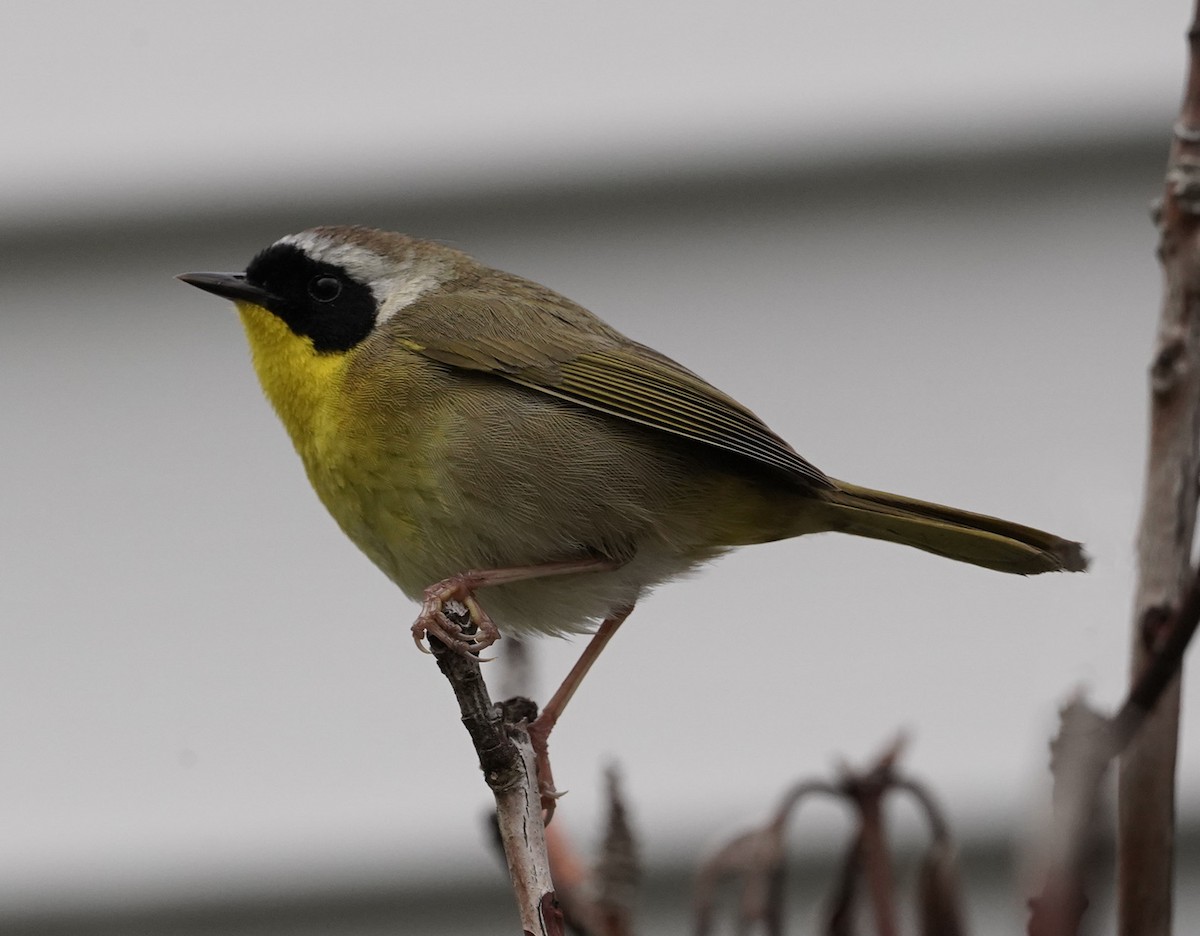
507	760
1080	757
756	860
1146	786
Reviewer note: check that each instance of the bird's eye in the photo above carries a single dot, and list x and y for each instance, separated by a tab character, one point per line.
325	288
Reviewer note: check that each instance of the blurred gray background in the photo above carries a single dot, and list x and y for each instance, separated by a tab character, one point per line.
914	238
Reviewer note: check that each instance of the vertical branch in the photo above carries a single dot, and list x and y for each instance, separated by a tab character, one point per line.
868	790
843	902
1146	796
599	903
757	858
618	871
1079	759
1087	743
876	858
507	760
939	893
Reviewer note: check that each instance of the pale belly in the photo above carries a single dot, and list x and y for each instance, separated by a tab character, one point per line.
419	535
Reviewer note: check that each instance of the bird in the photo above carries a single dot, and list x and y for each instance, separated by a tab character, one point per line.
485	439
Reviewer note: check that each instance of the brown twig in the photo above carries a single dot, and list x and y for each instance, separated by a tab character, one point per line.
756	860
843	901
1146	797
1161	668
572	882
1086	745
939	892
618	871
599	902
1079	759
867	791
507	760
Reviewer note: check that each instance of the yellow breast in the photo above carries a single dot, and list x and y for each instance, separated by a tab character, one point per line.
356	440
301	384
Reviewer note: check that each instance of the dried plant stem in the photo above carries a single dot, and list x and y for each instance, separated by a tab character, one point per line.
756	861
1146	797
507	759
1086	744
876	858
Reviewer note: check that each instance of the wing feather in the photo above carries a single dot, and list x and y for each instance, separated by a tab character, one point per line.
577	357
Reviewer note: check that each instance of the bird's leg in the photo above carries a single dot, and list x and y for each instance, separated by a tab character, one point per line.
461	587
539	731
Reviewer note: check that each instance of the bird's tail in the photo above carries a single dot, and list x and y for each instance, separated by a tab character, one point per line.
956	534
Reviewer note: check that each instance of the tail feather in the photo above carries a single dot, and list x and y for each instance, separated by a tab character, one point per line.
946	531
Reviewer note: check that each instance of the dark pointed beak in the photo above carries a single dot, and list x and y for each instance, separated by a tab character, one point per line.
228	285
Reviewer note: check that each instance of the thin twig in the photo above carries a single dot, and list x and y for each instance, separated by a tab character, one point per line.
600	902
939	894
1081	755
1079	759
1160	669
572	882
507	760
756	860
867	791
1146	795
843	902
618	870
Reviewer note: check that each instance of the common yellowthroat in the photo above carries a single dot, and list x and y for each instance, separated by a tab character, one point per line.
473	431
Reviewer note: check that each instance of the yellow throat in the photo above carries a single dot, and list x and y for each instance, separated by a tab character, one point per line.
300	383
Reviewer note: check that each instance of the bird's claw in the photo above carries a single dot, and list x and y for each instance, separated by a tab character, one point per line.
434	622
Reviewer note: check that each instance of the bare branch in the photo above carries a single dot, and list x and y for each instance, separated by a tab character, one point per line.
599	903
618	872
939	893
843	902
1146	798
507	760
571	882
756	858
867	790
1163	664
1080	757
